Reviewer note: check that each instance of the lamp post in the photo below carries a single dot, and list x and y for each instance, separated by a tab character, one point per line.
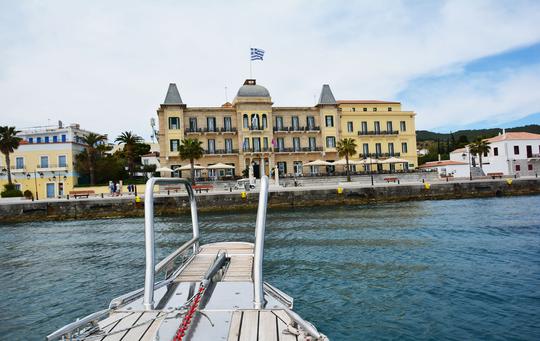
35	182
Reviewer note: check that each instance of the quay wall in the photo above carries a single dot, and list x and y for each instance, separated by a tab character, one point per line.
92	208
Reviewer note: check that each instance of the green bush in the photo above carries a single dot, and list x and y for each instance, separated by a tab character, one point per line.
28	194
10	192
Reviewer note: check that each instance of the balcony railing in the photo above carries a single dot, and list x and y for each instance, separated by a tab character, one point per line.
52	165
378	132
257	150
378	155
298	149
221	151
296	129
209	130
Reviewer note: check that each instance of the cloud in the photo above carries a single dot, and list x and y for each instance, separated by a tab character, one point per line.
107	64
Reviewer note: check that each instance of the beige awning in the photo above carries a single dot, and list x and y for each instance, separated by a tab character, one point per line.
188	167
164	169
220	166
343	162
368	161
394	160
318	163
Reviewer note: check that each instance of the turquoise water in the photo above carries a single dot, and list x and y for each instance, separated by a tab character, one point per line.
455	269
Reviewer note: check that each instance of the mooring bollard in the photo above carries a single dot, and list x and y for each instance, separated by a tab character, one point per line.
101	195
340	190
243	195
427	185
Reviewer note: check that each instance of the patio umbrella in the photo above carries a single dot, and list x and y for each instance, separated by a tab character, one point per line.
220	166
368	161
343	162
164	169
394	160
188	167
318	163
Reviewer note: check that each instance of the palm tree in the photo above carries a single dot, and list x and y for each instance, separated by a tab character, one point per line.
129	140
8	143
191	149
479	147
93	144
346	148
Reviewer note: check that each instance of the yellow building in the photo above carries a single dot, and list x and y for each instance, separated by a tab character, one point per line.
44	161
251	131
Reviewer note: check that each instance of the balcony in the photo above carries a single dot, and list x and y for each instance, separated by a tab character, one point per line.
209	130
378	132
52	167
257	150
221	151
17	169
293	129
298	150
378	155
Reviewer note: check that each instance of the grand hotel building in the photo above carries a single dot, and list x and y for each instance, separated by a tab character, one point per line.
251	130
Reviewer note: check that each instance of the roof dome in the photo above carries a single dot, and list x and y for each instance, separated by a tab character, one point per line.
251	89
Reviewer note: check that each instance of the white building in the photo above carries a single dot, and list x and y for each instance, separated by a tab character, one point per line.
513	153
445	168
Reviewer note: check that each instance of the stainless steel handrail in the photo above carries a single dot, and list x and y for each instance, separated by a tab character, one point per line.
260	226
77	324
170	258
150	270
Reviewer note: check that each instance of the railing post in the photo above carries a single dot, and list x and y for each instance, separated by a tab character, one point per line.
149	277
148	301
259	245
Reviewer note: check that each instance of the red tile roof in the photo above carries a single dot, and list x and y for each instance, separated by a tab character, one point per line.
514	136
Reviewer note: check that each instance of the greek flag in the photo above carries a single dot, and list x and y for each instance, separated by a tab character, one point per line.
257	54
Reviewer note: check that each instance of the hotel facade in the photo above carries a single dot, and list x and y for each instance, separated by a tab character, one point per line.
251	131
44	163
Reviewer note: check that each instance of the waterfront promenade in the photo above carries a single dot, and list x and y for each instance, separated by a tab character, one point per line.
221	199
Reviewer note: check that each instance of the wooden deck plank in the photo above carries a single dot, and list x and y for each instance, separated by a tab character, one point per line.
138	332
111	321
126	322
234	330
267	326
250	325
150	334
283	333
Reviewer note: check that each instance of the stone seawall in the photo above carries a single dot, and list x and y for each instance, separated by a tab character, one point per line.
286	198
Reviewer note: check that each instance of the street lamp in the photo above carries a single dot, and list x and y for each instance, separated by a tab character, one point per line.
28	176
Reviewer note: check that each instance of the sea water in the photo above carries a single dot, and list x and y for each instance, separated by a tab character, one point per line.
450	269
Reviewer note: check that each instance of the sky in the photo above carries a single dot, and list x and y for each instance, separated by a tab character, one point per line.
107	64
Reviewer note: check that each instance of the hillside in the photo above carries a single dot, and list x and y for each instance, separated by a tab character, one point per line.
472	134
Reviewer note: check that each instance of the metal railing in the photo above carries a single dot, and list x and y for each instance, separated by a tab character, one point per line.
151	269
260	226
378	132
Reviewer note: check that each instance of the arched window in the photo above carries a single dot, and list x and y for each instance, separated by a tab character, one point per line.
264	121
246	121
255	122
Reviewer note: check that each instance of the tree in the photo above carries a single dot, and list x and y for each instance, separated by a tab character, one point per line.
479	147
8	143
94	146
129	140
346	148
191	149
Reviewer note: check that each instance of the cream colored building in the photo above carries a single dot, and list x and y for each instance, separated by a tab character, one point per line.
44	161
252	131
